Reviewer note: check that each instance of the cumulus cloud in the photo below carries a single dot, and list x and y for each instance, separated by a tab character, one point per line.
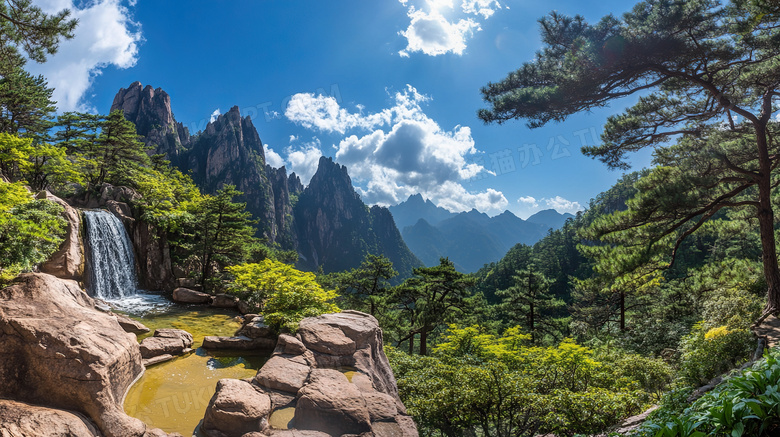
105	36
562	205
304	159
528	201
214	115
401	151
272	158
432	33
485	8
529	205
324	113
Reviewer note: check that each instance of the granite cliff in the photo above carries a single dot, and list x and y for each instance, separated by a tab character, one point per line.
326	223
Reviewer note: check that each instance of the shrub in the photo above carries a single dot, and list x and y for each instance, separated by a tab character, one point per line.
709	352
30	230
281	293
747	404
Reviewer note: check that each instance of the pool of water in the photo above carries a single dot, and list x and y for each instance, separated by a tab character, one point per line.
173	396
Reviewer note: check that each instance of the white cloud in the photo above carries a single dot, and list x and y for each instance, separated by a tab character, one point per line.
433	35
304	159
106	35
485	8
529	205
431	32
562	205
528	202
401	151
214	115
272	158
325	114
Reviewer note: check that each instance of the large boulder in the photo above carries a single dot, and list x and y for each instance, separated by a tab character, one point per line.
330	403
308	372
185	295
236	408
68	261
59	351
166	342
19	419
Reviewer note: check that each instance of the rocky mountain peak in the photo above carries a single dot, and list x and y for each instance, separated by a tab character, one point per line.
150	110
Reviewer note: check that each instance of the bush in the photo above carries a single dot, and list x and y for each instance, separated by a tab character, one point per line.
707	353
30	230
281	293
747	404
480	383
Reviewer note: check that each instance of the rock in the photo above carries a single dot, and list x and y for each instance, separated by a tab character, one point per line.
19	419
329	403
298	433
166	342
243	307
157	360
302	373
224	301
130	325
290	345
58	350
256	328
237	343
324	338
68	261
185	295
282	374
236	408
380	406
184	336
632	423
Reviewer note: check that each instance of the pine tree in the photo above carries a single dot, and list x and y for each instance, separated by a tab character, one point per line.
431	298
224	232
25	104
25	26
708	76
529	298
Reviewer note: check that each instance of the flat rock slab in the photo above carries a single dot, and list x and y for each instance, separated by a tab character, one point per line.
130	325
238	343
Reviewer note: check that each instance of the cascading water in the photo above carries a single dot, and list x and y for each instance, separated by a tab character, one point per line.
112	262
112	266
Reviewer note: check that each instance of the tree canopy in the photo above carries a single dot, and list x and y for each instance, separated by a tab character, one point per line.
708	77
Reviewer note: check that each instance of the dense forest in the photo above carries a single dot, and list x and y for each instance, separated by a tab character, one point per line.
654	290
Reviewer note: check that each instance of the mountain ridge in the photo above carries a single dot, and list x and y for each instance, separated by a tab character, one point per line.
326	222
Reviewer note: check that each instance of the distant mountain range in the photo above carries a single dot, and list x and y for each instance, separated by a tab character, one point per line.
469	239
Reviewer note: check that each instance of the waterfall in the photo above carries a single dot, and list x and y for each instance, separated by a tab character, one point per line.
112	263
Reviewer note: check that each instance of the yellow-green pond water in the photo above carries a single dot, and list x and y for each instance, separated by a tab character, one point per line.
173	396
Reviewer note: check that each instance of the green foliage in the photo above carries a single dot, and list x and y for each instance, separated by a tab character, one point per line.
25	26
283	294
30	230
747	404
223	232
708	352
429	299
366	287
25	103
478	382
530	302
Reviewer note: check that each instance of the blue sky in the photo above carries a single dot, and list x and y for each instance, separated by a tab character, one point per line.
390	89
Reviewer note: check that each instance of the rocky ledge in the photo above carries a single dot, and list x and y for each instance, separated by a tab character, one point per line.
60	353
333	374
